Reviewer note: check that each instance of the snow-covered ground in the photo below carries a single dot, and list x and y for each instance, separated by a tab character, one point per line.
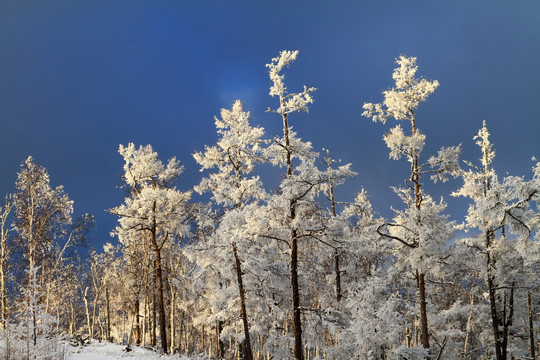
107	351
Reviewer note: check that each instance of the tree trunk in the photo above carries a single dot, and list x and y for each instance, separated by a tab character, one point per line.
108	309
297	322
336	251
246	344
171	318
415	178
161	301
3	310
495	318
94	308
154	317
202	341
468	327
423	311
136	312
220	346
338	275
88	318
4	234
531	329
507	321
71	317
159	281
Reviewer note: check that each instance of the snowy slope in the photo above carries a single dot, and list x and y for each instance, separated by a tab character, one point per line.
107	351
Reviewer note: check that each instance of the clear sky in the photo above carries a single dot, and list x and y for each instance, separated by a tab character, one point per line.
78	78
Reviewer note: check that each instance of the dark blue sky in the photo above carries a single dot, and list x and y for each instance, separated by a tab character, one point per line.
78	78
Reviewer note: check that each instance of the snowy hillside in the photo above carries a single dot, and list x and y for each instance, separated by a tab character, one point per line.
107	351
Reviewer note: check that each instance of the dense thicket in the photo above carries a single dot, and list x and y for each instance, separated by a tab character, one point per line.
288	271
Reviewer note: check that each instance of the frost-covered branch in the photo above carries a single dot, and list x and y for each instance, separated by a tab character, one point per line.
392	237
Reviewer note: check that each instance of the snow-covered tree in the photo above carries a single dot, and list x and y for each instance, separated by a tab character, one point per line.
291	214
503	213
42	215
232	187
117	312
35	334
154	214
370	323
420	231
43	225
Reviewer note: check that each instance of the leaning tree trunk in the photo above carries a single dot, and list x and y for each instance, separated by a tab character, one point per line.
246	344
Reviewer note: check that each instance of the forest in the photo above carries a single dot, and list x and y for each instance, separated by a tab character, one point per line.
284	272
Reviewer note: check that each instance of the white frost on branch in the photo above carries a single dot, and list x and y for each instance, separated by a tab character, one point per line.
401	101
288	102
401	144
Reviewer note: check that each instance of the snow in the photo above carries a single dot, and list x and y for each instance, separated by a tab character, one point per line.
107	351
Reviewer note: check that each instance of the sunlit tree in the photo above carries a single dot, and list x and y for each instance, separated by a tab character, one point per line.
420	230
154	214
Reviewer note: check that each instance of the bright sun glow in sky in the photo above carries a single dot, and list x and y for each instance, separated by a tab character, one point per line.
78	78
